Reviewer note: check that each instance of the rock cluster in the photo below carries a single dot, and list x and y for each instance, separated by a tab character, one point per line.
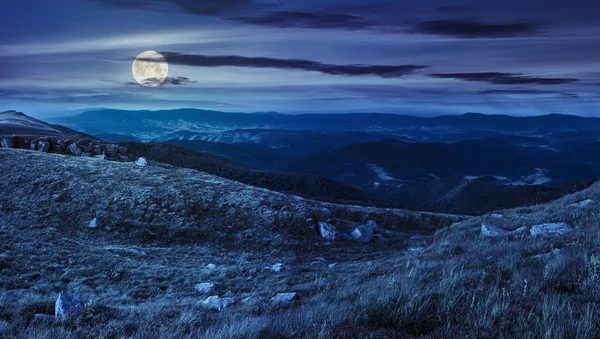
75	147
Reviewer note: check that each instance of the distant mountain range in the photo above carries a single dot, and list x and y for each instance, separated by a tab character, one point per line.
467	164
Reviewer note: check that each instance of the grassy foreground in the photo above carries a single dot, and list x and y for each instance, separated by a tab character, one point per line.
138	285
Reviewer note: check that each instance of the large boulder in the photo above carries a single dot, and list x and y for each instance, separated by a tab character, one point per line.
327	231
7	143
43	146
67	306
559	228
75	149
112	150
97	150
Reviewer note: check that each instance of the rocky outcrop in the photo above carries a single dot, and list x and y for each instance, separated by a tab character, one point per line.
74	147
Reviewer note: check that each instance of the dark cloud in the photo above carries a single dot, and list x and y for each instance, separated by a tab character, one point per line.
475	29
200	7
308	20
177	81
452	9
384	71
504	78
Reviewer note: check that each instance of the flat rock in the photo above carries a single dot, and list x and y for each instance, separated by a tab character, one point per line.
488	230
283	297
203	288
548	229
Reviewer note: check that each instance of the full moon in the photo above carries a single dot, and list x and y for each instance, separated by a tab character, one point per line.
150	69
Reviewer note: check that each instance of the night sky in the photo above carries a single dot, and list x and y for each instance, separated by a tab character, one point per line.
429	57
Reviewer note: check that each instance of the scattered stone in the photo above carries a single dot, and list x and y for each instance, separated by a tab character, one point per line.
67	306
205	288
246	300
55	197
43	146
541	256
497	215
141	161
112	150
216	303
7	143
331	265
276	267
94	223
488	230
309	220
211	267
320	259
75	149
326	212
131	250
560	228
365	232
582	204
283	297
327	231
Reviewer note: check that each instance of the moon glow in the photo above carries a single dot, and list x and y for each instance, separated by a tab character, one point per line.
150	69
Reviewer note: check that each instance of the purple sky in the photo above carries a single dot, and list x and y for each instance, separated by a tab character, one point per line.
429	57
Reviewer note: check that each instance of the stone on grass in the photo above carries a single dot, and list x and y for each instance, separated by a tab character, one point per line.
216	303
497	215
283	297
488	230
559	228
276	267
582	204
331	265
327	231
94	223
67	306
204	287
211	267
141	161
365	232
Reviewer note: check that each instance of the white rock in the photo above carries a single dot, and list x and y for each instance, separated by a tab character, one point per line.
211	267
276	267
204	287
75	150
283	297
497	215
216	303
582	204
560	228
331	265
488	230
141	161
67	306
94	223
327	231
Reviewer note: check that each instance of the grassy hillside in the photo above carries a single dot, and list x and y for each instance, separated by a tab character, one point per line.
161	226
